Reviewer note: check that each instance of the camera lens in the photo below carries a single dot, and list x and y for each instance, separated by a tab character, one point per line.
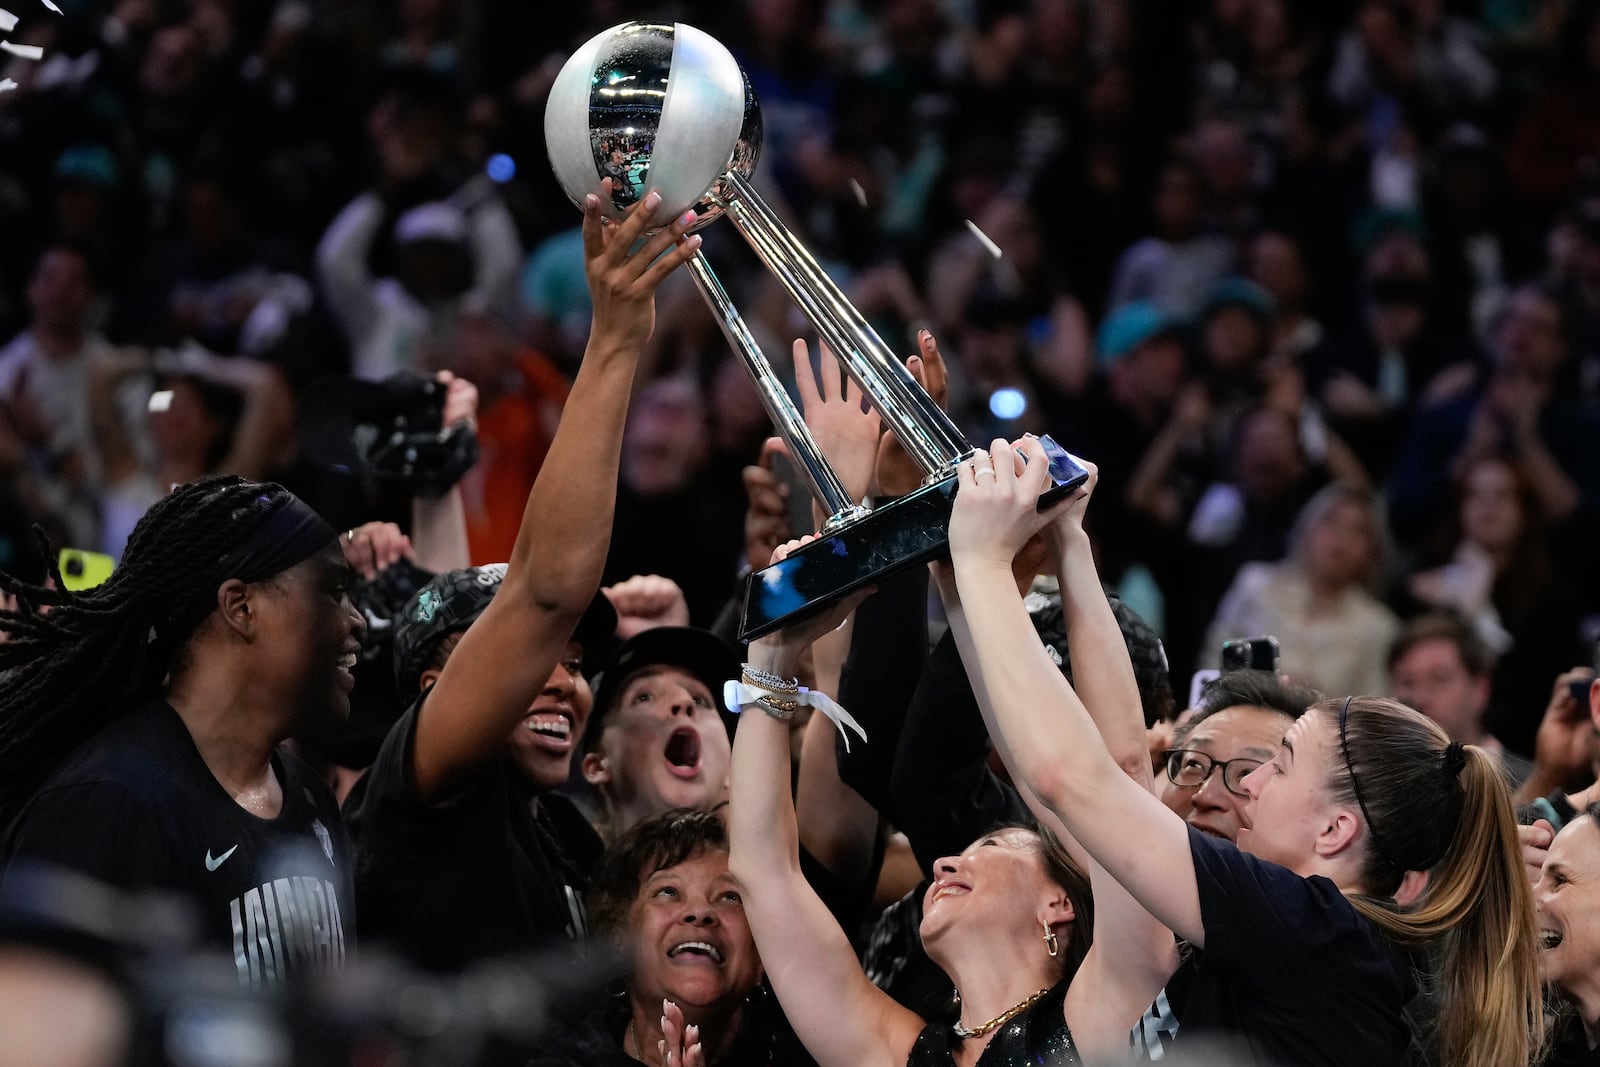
75	566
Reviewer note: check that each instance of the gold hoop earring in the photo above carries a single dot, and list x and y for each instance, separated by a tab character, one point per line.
1051	945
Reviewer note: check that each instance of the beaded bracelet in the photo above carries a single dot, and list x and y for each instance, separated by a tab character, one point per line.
755	676
782	706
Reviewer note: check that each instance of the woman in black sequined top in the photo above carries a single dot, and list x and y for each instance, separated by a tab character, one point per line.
1010	919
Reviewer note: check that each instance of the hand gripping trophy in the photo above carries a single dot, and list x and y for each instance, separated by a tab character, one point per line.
665	106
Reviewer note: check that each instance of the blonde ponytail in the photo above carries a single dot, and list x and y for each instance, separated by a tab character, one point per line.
1478	913
1432	804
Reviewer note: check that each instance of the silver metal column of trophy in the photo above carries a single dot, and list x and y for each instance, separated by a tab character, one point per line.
665	106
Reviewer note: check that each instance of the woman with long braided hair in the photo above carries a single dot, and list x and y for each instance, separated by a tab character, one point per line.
141	721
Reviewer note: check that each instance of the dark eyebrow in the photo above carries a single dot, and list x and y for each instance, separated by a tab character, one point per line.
337	568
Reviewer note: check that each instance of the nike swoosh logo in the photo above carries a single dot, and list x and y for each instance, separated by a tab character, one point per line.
213	864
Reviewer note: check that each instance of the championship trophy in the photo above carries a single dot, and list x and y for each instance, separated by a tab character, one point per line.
665	106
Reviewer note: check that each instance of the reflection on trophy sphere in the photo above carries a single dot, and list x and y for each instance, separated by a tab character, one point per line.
652	106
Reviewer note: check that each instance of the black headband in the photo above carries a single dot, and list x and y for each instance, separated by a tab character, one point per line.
1355	785
289	532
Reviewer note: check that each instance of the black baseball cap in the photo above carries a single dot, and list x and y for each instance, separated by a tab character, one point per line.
701	653
1145	650
452	601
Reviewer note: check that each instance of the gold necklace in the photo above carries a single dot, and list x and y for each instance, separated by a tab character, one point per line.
633	1044
1001	1019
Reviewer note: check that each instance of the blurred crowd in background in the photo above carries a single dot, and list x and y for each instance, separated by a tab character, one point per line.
1317	286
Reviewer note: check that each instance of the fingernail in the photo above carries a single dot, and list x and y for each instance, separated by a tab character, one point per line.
652	200
694	242
687	218
591	202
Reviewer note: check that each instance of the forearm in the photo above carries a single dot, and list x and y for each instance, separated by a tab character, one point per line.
1557	492
1047	737
763	832
1102	673
561	545
342	260
1343	464
1059	762
1151	473
266	427
837	827
961	632
839	1016
439	531
111	437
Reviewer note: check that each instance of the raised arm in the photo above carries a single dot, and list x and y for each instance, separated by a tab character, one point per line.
342	263
119	459
439	524
838	824
555	566
1133	952
843	1020
265	433
1051	742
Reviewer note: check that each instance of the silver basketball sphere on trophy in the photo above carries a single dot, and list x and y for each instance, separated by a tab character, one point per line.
652	105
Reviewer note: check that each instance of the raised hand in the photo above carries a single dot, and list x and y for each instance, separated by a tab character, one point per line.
646	601
460	401
798	635
846	430
1561	746
374	547
679	1044
623	283
766	518
997	505
1069	519
898	473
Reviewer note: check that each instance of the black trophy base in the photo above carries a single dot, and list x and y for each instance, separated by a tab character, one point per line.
902	533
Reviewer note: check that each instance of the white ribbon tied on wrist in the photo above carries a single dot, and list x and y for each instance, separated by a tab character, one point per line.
738	696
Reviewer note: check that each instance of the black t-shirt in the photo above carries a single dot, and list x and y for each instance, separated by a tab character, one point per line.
137	808
1291	972
487	871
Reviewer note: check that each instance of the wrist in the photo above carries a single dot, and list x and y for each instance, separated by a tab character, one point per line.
603	346
979	563
1540	783
774	655
1069	539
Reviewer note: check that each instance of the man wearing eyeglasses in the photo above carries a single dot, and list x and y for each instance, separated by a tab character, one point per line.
1242	717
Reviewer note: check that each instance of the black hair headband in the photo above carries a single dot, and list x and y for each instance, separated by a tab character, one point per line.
1355	784
290	532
